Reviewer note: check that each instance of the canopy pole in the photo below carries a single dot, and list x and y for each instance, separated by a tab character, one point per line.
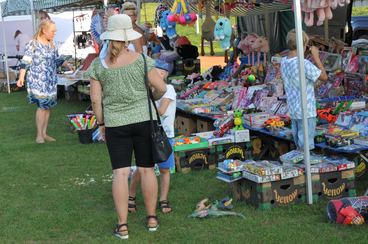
326	30
303	93
139	11
6	70
74	40
33	13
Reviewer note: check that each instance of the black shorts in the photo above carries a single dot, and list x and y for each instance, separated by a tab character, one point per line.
122	140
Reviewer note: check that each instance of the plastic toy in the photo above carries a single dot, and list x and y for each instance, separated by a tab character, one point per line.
274	123
349	210
223	32
205	208
260	45
182	14
223	125
187	140
238	120
231	165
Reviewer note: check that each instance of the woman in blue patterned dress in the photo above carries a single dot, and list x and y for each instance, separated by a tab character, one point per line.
41	59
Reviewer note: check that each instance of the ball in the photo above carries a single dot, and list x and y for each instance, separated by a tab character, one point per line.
251	78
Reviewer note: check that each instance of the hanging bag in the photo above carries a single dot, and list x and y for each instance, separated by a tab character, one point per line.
161	148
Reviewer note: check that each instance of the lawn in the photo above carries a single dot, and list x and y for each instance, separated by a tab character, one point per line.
61	193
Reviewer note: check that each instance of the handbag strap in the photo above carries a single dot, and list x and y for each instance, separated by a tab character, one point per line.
149	94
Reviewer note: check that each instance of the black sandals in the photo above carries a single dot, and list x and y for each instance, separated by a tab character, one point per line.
151	226
132	208
122	234
165	206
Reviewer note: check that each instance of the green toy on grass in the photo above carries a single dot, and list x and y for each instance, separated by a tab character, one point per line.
205	208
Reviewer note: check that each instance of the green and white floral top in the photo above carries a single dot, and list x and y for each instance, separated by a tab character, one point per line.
124	92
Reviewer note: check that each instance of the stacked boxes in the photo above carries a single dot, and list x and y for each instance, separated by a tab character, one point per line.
272	194
195	159
333	185
203	126
240	151
185	126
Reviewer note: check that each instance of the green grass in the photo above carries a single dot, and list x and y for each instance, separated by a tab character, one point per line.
61	193
359	11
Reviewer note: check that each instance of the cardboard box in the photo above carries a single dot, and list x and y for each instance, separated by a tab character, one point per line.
241	135
333	185
196	159
272	194
203	126
241	151
185	126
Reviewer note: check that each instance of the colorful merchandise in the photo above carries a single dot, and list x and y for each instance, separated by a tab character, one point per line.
223	32
348	211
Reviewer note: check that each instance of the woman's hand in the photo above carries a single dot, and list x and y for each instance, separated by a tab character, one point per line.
20	83
102	131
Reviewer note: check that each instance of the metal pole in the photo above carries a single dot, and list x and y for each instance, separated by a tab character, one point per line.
139	11
197	24
33	17
303	93
326	30
5	51
75	46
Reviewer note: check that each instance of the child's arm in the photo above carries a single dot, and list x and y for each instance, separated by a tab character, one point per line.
165	102
315	55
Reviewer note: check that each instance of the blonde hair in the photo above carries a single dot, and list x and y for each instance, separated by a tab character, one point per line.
129	6
41	27
115	49
291	39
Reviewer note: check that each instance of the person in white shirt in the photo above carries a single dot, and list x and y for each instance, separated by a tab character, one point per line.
166	107
21	41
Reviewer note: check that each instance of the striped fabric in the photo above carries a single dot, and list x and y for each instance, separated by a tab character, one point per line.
15	7
22	7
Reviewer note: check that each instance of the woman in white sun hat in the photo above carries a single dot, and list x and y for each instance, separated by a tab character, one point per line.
119	100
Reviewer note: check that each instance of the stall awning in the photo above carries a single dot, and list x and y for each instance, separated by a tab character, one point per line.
23	7
50	4
259	8
16	7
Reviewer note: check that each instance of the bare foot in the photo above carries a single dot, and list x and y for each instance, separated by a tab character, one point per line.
49	138
40	140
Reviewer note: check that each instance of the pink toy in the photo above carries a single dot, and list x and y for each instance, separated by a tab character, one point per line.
261	45
251	39
187	93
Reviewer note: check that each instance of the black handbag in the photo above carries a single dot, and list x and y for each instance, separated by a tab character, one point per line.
161	147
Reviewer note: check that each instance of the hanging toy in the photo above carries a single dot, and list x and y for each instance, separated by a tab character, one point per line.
167	26
182	14
223	32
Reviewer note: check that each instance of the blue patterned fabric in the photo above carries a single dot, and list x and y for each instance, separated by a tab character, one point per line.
298	132
290	76
41	61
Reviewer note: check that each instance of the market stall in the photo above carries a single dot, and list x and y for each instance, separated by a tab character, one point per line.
255	89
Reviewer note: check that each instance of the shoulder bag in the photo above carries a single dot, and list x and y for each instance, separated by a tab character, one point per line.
161	148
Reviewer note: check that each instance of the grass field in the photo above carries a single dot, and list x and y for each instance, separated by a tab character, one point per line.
61	193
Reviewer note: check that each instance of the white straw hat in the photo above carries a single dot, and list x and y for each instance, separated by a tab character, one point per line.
119	28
